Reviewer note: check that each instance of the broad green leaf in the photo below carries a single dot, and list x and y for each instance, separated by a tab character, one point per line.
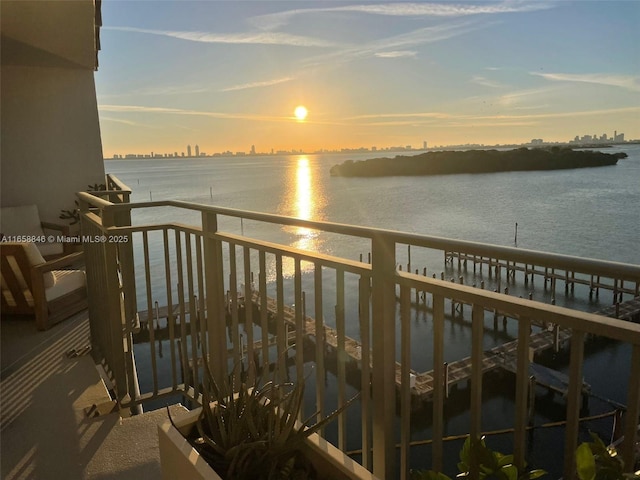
533	474
428	475
510	472
585	462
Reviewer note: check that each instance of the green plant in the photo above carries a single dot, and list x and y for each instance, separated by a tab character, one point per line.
251	431
73	215
476	459
596	461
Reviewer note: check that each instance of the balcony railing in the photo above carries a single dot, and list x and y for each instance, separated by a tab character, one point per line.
218	311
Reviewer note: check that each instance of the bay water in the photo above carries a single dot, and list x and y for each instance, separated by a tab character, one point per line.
591	212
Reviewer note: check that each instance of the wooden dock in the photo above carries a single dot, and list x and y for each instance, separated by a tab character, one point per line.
549	275
629	310
352	347
551	379
498	357
456	372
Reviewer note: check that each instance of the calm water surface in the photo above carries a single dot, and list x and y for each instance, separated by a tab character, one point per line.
591	212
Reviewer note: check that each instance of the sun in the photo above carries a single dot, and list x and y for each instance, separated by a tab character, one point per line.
300	112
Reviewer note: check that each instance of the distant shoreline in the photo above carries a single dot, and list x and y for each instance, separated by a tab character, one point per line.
476	161
383	151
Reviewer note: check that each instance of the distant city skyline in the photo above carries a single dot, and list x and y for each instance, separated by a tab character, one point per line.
616	138
231	74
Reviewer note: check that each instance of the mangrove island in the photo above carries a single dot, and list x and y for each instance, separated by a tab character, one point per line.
476	161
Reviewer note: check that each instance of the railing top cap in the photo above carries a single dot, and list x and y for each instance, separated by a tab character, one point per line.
93	199
553	260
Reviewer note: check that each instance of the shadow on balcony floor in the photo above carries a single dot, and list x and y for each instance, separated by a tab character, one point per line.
45	433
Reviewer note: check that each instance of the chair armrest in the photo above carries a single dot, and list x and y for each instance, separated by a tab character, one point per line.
38	291
57	263
64	229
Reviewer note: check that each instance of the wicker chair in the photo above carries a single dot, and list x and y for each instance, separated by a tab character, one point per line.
31	286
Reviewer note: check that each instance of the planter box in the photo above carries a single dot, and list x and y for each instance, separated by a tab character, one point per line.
180	461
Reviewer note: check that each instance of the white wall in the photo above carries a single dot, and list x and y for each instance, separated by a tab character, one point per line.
64	28
50	146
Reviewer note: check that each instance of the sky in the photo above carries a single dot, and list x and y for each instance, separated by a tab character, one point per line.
226	75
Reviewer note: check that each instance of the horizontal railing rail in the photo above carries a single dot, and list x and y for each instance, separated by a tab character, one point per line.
617	270
198	280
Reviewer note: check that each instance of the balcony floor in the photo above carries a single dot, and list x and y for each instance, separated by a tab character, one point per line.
45	432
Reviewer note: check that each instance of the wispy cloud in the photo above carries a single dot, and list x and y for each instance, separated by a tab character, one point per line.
627	82
125	109
266	83
141	109
406	118
485	82
126	122
275	20
394	43
434	115
396	54
180	111
262	38
519	97
153	90
170	90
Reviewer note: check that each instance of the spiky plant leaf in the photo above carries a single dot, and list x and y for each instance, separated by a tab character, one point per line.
254	428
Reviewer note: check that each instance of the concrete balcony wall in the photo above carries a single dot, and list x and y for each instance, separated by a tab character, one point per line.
63	29
51	145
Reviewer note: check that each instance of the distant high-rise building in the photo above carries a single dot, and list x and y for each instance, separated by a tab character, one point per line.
197	151
188	150
424	145
253	149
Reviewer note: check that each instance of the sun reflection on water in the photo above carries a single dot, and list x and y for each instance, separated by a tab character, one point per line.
305	199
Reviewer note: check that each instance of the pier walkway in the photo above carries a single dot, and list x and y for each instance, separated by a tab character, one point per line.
550	275
502	356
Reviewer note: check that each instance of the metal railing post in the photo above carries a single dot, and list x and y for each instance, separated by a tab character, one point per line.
124	246
130	322
633	411
574	393
215	304
116	341
522	392
383	260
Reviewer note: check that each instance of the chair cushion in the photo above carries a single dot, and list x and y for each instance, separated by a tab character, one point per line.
66	282
35	258
22	220
47	249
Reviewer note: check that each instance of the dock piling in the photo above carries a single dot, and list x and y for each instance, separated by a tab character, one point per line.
446	380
